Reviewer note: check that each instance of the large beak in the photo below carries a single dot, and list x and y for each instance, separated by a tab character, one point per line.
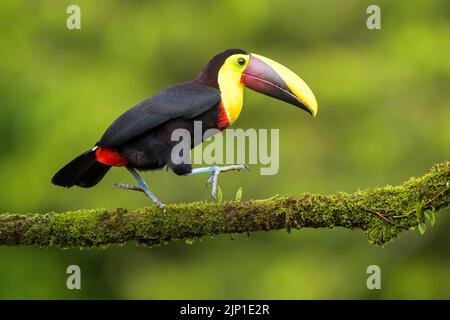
275	80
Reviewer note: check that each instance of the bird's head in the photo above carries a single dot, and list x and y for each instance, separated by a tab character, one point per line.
235	67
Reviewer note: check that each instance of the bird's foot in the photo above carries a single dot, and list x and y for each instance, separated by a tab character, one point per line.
215	175
143	189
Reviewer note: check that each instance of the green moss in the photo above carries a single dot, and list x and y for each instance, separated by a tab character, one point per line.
382	213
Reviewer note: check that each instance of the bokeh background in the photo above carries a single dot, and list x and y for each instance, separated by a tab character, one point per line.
384	116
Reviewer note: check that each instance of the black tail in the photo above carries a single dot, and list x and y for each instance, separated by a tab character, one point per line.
83	171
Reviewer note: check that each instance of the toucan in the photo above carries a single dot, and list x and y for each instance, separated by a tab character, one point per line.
140	139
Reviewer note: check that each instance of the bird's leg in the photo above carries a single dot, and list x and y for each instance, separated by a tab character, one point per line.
214	171
142	186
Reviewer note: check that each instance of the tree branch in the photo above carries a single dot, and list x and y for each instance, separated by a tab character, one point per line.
383	213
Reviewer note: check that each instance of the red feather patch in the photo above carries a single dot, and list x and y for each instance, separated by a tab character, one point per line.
110	157
223	122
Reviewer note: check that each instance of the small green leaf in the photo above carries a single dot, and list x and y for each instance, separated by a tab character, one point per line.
429	216
422	227
238	195
219	195
419	207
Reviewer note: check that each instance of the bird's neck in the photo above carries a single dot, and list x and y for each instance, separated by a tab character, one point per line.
232	92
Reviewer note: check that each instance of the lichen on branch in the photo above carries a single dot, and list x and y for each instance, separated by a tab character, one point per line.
382	213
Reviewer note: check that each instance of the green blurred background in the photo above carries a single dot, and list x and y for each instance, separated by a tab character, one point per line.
383	116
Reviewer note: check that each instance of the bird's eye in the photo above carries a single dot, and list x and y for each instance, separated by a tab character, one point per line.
241	61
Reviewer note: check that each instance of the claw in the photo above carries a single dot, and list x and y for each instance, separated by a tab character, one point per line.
162	206
214	177
214	172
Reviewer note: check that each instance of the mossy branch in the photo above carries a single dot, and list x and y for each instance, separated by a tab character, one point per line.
383	213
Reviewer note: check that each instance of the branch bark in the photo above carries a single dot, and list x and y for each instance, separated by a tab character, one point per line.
382	213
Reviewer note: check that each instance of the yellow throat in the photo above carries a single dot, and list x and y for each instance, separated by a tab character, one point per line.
231	88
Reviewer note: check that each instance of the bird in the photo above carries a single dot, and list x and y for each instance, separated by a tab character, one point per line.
140	138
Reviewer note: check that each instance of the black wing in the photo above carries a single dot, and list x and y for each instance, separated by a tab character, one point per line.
186	101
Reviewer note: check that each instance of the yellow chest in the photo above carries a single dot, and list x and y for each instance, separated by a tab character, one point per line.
231	91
